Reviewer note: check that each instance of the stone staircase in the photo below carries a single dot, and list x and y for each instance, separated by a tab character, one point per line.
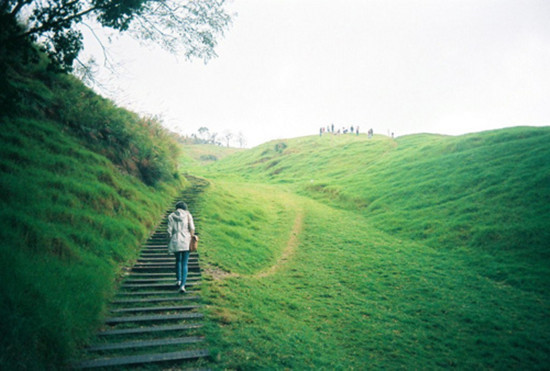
150	321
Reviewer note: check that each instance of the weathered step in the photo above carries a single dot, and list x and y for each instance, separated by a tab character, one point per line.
165	258
150	329
147	358
162	265
159	247
165	280
156	300
169	264
157	259
143	344
161	250
155	253
163	261
166	317
170	285
194	268
161	254
153	293
160	275
156	309
167	276
159	280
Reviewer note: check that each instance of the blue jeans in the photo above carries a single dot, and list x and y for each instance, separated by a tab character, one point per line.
181	266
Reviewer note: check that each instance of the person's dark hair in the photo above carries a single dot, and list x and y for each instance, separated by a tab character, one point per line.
181	205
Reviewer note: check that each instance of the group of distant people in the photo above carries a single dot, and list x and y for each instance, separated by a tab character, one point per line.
344	130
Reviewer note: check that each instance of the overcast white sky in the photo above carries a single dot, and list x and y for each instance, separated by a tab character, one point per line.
287	67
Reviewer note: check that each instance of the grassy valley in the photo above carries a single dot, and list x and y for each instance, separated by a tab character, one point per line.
342	252
334	252
204	154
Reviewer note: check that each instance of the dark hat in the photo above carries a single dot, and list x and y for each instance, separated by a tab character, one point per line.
181	205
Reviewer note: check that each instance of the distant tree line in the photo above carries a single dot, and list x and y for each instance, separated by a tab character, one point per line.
227	138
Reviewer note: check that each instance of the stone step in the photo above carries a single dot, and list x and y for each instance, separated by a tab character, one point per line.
142	344
163	253
170	269
159	280
147	358
162	256
162	265
167	263
150	329
155	246
161	275
168	260
156	300
163	318
176	292
155	285
159	248
156	309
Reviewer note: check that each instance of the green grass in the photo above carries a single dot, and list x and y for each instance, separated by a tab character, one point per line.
421	252
202	154
333	252
254	223
70	221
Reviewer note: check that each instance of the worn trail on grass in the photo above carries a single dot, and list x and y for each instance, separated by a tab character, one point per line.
289	250
287	254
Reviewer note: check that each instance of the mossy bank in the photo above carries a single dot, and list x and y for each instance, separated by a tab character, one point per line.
82	184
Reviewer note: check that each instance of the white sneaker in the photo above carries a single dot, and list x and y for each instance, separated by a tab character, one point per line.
178	283
182	289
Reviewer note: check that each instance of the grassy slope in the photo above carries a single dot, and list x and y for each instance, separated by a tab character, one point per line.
69	221
488	190
426	251
203	154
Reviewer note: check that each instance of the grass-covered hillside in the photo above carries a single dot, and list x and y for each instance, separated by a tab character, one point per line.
82	184
204	154
343	252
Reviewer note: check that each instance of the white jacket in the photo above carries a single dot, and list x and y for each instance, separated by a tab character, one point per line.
180	225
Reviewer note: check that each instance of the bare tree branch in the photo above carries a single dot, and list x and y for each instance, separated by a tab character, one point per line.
20	4
188	26
106	58
48	26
